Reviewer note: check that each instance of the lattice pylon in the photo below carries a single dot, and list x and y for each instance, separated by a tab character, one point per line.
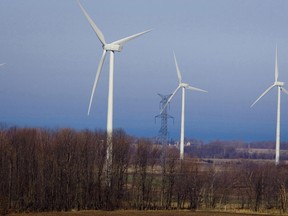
163	131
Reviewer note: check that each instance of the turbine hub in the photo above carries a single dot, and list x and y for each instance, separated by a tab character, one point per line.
279	83
184	85
113	47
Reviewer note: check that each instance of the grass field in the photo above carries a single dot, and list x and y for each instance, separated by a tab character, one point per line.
138	213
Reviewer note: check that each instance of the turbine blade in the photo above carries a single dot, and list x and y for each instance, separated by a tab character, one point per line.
96	79
170	98
2	64
93	25
276	66
177	69
196	89
284	90
126	39
264	93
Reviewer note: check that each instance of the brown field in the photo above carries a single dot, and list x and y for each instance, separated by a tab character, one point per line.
140	213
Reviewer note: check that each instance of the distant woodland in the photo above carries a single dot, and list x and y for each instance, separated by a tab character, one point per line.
64	169
236	150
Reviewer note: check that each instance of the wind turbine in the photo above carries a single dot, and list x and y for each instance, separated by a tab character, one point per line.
280	88
115	46
184	86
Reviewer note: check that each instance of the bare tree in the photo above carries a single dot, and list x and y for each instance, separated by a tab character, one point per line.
281	186
169	169
144	162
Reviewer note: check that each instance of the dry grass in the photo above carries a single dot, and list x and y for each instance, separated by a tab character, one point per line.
138	213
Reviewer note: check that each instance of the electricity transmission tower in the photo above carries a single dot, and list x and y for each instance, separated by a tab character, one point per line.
163	132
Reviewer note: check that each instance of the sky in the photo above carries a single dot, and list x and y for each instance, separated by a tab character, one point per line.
226	47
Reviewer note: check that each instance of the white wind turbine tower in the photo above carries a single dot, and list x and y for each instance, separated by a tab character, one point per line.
280	87
183	86
112	47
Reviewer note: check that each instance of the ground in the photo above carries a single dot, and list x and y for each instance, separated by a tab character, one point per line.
138	213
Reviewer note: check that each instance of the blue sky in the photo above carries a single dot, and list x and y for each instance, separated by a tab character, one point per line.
226	47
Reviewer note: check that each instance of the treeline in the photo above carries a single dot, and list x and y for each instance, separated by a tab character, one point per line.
62	170
235	149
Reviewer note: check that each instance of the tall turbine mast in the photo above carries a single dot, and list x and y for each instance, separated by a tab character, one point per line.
280	87
113	47
184	86
163	132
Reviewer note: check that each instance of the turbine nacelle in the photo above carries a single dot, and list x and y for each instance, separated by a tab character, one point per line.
281	84
184	85
113	47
